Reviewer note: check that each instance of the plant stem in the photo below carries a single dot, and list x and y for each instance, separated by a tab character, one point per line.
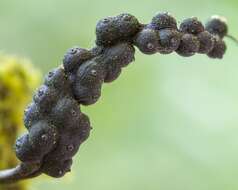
20	172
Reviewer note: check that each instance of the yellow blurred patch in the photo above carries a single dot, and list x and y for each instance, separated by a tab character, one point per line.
18	79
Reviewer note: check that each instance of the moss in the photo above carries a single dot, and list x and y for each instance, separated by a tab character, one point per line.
17	80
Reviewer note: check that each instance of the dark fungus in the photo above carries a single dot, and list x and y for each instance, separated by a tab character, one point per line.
56	126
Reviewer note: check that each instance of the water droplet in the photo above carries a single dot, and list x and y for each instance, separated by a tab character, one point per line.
60	172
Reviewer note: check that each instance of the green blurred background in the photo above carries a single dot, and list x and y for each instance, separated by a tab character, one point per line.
168	122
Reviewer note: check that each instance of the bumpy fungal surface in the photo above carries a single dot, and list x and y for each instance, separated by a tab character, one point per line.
217	25
188	46
147	41
162	21
169	40
207	41
113	29
56	126
192	26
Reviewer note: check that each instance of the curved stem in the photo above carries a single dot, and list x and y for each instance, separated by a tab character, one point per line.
20	172
232	38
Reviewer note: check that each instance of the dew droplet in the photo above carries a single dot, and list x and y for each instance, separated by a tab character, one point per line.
60	172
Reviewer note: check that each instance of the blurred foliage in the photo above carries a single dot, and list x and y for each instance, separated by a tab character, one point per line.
17	81
167	123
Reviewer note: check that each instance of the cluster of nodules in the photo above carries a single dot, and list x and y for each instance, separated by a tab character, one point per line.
54	121
162	34
56	126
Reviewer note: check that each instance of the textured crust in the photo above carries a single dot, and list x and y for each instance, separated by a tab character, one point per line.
56	126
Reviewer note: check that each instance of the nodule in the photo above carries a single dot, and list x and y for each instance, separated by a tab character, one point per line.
217	25
163	20
192	26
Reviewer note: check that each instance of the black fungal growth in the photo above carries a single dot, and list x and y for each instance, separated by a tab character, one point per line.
56	126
